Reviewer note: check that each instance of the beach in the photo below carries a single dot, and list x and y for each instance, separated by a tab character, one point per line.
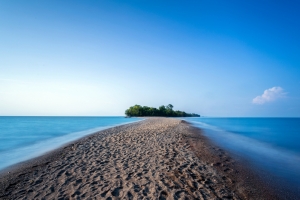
157	158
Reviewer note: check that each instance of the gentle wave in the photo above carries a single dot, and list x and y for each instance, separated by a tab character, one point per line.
280	162
39	141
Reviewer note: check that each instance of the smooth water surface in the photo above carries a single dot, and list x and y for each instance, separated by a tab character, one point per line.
22	138
271	145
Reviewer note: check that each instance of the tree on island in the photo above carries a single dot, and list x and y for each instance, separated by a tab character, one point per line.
164	111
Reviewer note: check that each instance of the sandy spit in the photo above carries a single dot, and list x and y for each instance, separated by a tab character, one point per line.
158	158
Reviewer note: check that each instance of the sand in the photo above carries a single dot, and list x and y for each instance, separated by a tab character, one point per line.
158	158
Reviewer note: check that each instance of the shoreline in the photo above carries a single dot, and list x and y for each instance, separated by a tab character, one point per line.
68	139
266	180
169	157
238	174
52	155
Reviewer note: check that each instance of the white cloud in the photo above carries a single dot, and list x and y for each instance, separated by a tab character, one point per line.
269	95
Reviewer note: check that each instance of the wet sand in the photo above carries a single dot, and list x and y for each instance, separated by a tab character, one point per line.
158	158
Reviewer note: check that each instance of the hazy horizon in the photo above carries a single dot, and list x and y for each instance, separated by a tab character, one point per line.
98	58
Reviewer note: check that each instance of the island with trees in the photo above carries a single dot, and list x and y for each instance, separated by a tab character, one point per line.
163	111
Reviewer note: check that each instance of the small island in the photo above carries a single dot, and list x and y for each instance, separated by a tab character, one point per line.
163	111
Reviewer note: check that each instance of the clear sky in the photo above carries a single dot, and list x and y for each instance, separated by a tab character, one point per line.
214	58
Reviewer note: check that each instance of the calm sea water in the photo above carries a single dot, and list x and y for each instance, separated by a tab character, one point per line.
271	145
22	138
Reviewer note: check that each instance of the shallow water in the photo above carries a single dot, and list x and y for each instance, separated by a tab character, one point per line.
22	138
271	145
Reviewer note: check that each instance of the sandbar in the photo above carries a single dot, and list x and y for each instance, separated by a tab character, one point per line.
157	158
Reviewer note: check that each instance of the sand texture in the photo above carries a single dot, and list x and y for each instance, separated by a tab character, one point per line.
158	158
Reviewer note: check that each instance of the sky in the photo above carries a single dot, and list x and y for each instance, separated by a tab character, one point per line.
97	58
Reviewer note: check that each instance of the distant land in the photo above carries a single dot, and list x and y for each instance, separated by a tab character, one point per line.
164	111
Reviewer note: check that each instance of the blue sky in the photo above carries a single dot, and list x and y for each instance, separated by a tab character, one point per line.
215	58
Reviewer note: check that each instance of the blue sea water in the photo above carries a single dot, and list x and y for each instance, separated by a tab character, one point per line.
23	138
270	145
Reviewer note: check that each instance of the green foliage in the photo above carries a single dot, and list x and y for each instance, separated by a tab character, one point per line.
166	111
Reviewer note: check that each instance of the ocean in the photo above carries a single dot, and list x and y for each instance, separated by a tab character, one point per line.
23	138
270	145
